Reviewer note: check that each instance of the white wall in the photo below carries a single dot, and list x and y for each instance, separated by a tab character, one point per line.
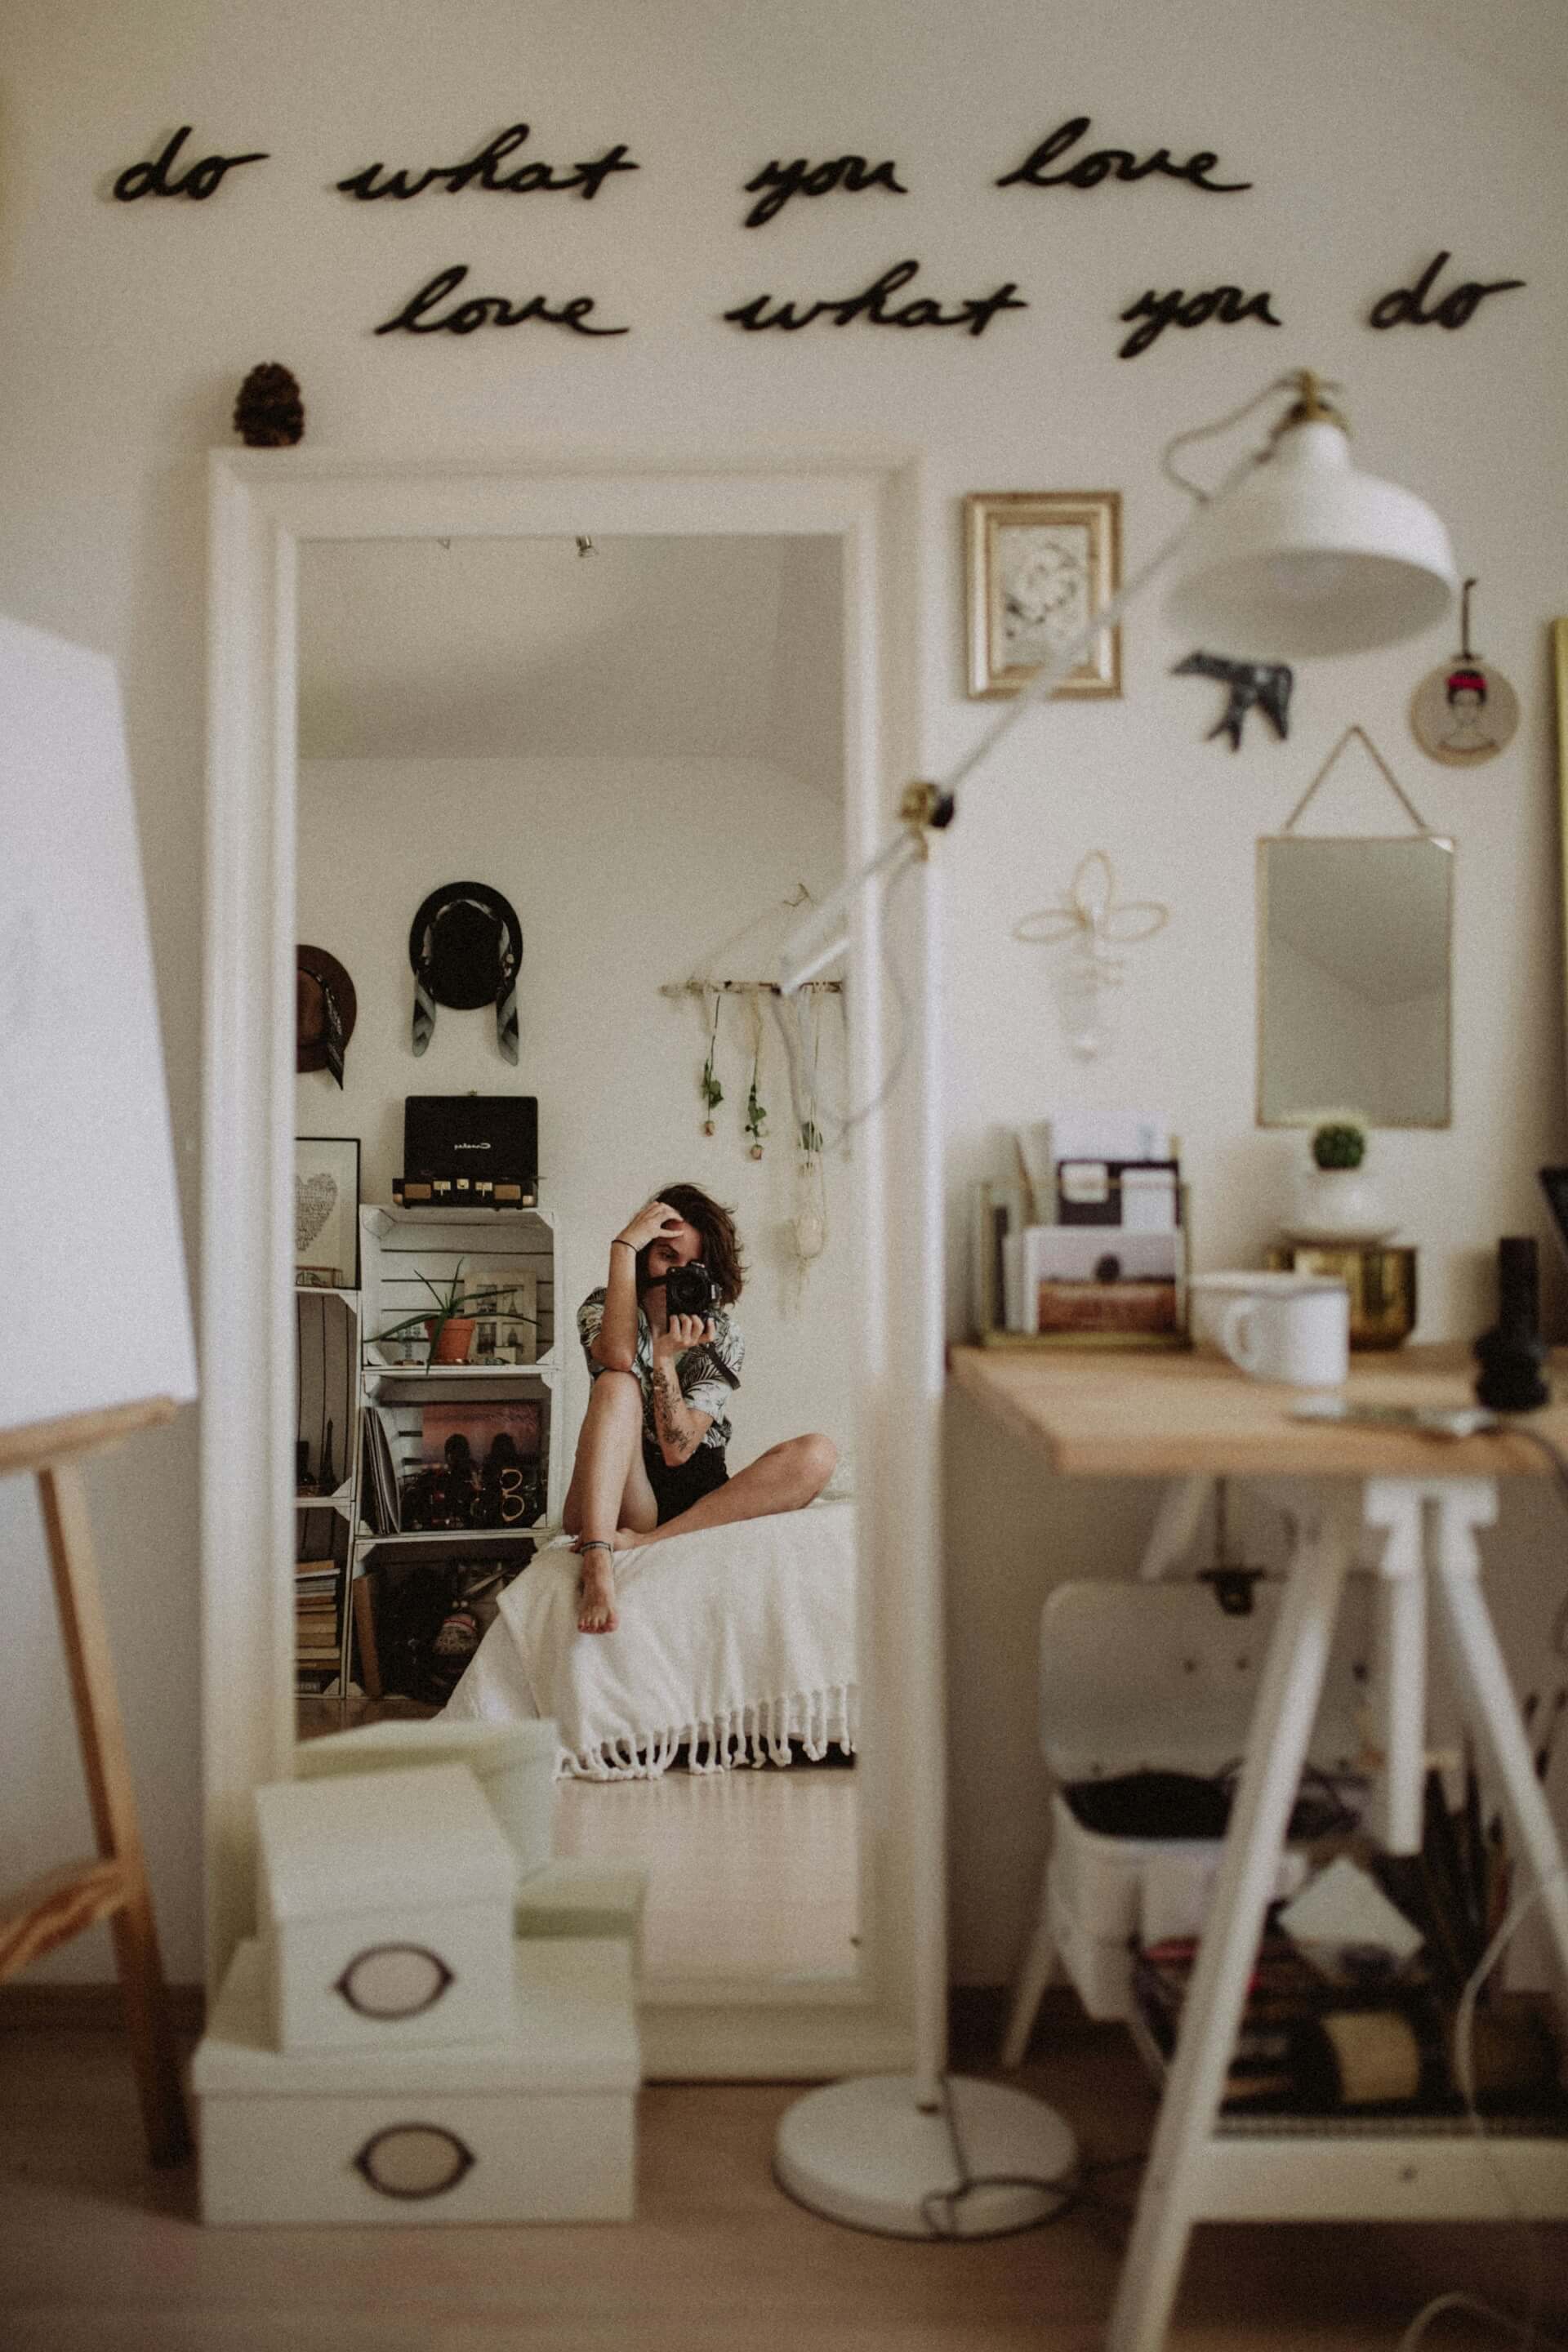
126	330
624	875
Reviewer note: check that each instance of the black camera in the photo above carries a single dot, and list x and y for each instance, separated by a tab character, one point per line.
691	1290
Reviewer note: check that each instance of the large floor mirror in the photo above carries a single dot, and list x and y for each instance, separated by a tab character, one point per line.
645	712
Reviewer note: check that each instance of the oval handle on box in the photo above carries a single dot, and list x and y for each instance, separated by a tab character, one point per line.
393	1980
414	2160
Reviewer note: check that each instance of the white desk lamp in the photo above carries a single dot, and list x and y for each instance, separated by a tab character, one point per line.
1296	555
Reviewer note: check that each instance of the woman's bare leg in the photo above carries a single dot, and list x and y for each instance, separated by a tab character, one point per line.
785	1478
609	1486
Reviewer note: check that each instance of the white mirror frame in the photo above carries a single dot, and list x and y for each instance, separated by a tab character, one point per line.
263	505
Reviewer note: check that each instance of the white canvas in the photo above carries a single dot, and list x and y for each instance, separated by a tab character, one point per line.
87	1168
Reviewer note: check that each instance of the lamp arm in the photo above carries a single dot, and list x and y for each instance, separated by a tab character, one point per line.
826	932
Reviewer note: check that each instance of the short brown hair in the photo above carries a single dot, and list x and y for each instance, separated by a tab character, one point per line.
716	1227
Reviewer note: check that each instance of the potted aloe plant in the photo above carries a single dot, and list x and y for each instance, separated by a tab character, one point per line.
1335	1197
449	1328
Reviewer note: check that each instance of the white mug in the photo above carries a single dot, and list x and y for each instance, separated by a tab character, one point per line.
1297	1332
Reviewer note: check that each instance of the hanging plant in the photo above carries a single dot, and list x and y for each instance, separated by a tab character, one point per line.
756	1117
810	1138
712	1092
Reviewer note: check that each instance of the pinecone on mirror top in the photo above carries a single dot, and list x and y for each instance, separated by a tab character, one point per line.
269	413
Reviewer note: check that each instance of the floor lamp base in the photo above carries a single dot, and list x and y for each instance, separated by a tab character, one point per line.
863	2152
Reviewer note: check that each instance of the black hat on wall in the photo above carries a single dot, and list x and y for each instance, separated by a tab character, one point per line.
324	1012
466	948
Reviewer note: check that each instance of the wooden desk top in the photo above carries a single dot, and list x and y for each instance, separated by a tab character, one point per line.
1094	1413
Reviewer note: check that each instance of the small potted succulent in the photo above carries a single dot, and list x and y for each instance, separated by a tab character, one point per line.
1335	1198
451	1329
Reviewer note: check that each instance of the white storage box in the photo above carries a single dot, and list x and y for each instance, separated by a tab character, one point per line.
1104	1891
585	1898
1156	1678
385	1909
536	2126
514	1764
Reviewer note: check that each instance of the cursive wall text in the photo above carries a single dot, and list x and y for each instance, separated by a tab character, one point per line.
1402	306
1112	162
779	181
482	171
155	179
487	310
1179	309
872	307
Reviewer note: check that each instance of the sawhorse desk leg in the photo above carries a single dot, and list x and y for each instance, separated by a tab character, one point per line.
1281	1727
1430	1529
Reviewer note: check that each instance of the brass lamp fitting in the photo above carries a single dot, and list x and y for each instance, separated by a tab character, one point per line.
925	809
1310	406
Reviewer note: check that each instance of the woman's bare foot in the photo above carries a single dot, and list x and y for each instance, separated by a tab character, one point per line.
598	1589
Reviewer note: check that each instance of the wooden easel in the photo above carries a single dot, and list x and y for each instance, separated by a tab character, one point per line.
64	1901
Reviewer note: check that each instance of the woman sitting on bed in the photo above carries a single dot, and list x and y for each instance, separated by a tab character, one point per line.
650	1458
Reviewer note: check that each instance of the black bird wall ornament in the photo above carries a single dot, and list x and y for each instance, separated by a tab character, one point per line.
1253	686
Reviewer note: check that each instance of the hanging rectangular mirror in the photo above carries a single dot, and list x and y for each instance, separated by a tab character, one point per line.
1355	980
1355	972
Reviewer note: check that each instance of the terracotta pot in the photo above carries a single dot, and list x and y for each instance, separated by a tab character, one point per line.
451	1345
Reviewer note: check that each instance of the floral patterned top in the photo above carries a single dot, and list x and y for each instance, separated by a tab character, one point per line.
707	1374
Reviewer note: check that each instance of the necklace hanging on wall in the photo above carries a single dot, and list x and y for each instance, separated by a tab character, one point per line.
756	1116
1465	713
712	1092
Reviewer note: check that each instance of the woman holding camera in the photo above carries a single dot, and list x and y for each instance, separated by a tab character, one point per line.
650	1458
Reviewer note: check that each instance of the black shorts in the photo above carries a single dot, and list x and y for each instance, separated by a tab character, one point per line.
678	1484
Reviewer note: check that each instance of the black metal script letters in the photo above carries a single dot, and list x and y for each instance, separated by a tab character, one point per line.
153	179
1179	309
977	314
782	181
1107	162
487	310
1402	306
480	172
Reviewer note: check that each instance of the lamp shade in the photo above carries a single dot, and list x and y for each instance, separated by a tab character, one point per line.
1309	556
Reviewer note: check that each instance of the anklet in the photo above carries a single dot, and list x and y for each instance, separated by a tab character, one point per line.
597	1545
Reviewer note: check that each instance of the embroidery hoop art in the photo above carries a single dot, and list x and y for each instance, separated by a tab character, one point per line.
1465	713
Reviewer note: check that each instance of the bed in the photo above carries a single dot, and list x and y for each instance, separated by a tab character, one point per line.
732	1644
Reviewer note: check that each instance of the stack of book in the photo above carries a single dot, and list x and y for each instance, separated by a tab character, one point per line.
1088	1245
317	1633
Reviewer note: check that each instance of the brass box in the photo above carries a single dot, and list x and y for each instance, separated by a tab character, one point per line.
1381	1281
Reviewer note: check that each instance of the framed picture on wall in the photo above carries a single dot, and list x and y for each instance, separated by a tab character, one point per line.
1040	564
326	1211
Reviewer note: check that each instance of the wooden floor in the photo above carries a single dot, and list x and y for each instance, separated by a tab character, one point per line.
99	2254
752	1874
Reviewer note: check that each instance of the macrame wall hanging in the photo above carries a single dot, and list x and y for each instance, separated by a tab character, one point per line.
1093	923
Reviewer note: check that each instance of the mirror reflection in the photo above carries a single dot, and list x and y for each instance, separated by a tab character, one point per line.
576	1387
1356	979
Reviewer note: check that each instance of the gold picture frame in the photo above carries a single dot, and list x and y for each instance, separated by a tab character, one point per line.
1039	564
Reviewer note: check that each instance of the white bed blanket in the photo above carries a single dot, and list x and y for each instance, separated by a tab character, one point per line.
732	1642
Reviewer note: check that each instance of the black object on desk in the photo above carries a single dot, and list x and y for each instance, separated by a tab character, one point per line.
1511	1353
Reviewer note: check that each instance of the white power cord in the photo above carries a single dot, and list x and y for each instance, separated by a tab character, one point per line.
1527	2331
